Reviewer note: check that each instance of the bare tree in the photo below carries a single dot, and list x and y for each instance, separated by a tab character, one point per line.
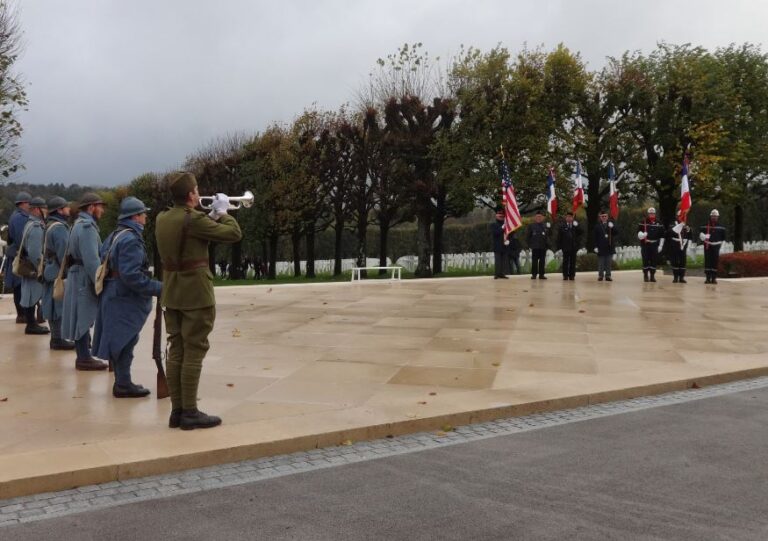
13	97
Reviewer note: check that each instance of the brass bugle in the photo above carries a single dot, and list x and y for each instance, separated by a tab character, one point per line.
245	200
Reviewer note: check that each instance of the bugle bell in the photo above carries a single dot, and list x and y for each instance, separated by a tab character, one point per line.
245	200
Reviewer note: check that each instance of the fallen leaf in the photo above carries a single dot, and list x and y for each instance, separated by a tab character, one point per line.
510	309
447	428
4	399
267	368
440	433
432	394
582	311
410	415
695	385
325	303
347	442
389	436
77	397
468	350
230	384
477	330
530	305
495	364
236	333
422	403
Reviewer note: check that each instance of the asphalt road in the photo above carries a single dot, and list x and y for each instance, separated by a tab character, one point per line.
697	470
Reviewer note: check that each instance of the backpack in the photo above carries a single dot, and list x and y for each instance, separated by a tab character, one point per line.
21	265
103	270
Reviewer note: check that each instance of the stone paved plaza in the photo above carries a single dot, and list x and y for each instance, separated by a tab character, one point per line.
297	367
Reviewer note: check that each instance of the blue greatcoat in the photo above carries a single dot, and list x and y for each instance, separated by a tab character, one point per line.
126	300
32	288
56	237
80	304
15	231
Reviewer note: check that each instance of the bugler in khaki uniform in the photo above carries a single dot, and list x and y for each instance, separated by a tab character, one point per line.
188	299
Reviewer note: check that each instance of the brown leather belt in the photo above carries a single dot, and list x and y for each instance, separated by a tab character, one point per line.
186	265
113	274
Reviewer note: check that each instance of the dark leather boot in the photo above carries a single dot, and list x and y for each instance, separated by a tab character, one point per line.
676	275
174	421
129	391
36	329
682	277
194	418
90	364
21	318
61	344
645	276
653	276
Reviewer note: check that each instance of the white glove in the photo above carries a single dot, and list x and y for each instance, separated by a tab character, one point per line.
548	225
702	236
219	206
506	243
661	245
595	250
575	223
641	235
706	237
610	224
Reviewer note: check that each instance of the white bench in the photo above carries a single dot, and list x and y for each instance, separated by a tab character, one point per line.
356	272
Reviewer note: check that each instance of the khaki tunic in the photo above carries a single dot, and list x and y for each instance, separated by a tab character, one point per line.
190	289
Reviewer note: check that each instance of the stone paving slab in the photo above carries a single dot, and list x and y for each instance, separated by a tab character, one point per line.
88	498
293	368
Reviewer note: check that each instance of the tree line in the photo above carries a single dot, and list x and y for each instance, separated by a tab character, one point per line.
420	143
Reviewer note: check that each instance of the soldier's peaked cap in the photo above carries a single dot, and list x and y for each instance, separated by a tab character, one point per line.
22	197
180	183
131	206
56	202
90	198
38	203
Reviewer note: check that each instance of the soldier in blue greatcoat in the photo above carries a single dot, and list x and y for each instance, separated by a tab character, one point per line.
16	225
31	249
126	300
80	302
56	235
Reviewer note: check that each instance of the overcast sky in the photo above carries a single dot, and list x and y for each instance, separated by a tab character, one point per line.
122	87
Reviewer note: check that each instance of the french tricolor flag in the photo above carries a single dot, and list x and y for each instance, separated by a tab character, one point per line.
613	197
578	192
551	196
685	194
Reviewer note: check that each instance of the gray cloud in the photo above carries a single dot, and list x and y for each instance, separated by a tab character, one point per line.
120	88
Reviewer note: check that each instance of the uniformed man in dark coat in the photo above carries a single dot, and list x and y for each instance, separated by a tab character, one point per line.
605	235
678	237
499	246
650	233
513	253
182	236
56	236
569	242
16	225
537	235
713	236
31	248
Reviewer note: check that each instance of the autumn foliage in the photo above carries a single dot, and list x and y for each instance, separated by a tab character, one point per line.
744	264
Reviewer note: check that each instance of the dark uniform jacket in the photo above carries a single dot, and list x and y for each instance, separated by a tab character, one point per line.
655	231
188	284
678	242
537	236
497	228
569	237
716	236
605	238
16	225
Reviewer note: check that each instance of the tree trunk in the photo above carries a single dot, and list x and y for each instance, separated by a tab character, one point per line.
383	242
212	257
423	244
339	231
667	203
362	242
738	228
272	270
236	270
311	251
440	214
296	246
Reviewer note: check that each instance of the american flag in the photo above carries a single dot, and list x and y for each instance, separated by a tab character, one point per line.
613	198
512	219
551	196
685	194
578	192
